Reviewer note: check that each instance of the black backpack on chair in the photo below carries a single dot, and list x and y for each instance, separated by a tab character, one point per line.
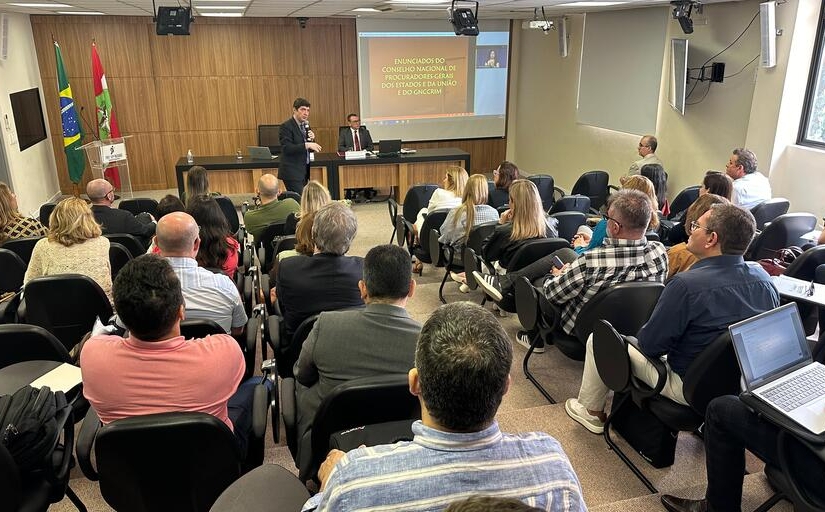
29	427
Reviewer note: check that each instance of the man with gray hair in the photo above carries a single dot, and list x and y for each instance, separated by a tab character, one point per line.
206	295
625	255
325	281
647	150
695	307
461	373
271	209
750	187
113	220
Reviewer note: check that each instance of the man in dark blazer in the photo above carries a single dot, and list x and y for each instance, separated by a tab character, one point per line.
344	345
102	194
346	138
325	281
297	140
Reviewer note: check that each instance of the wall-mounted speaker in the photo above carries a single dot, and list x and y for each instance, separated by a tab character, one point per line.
767	18
4	36
173	21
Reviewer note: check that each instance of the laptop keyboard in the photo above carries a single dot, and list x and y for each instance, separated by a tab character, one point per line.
800	390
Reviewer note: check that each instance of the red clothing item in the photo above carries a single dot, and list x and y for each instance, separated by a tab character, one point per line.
125	377
230	264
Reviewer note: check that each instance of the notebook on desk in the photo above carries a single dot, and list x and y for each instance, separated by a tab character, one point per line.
777	367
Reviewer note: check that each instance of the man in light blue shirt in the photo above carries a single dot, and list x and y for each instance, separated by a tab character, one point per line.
462	370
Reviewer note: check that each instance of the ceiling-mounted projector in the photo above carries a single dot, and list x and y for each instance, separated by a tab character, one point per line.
544	25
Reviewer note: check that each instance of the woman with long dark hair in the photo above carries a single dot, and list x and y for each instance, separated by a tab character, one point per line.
218	248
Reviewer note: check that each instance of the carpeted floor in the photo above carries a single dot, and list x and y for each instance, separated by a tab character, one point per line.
609	486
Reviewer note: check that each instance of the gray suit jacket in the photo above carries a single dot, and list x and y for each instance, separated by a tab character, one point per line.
345	345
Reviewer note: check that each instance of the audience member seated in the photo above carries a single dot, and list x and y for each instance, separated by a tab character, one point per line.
113	220
462	370
584	241
679	258
155	369
206	295
647	150
13	224
718	183
271	209
656	174
695	307
197	184
625	255
313	198
327	280
345	345
447	196
74	245
525	220
218	248
472	211
503	176
750	187
731	427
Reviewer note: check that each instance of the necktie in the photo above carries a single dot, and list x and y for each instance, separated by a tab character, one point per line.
357	142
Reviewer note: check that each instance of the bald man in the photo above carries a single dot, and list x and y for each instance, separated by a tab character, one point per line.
271	209
647	150
114	221
206	295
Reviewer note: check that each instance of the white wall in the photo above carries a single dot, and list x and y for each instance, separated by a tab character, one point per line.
759	109
33	172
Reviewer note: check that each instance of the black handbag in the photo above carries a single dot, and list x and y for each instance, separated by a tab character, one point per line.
644	432
371	435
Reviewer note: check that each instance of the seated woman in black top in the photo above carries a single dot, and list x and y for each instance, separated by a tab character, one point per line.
503	176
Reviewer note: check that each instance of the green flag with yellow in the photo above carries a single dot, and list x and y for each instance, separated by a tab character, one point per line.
72	132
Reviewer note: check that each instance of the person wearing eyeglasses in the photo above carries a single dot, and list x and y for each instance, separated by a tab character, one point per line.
695	307
750	187
647	150
115	221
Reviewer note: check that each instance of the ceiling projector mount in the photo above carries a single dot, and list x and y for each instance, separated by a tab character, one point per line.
542	24
464	19
681	12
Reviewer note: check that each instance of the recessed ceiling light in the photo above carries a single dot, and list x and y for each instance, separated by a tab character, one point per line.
589	4
219	7
366	9
222	14
45	6
89	13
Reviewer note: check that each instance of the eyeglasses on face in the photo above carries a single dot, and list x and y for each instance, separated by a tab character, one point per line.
607	217
695	225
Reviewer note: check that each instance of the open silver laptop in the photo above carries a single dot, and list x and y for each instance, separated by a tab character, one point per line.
777	367
260	153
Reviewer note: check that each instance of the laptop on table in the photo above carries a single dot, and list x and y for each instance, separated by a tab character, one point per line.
260	153
777	367
389	147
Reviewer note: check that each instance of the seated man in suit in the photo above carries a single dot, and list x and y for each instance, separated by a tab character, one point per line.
462	371
102	194
271	209
695	307
355	138
344	345
207	295
155	369
327	280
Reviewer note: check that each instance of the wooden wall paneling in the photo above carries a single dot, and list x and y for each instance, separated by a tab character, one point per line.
75	46
135	104
271	51
349	50
318	55
486	154
123	48
202	143
220	103
351	100
210	50
146	166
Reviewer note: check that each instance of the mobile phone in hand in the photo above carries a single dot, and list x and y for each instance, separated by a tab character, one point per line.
557	262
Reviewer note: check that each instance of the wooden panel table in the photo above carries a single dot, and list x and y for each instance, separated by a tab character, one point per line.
232	175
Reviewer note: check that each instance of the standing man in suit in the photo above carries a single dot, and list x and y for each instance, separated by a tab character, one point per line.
114	221
297	140
356	138
345	345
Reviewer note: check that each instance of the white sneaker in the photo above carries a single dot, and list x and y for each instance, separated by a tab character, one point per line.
464	288
458	278
489	283
579	414
523	339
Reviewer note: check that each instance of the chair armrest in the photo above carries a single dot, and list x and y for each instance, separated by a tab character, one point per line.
260	411
85	442
435	248
289	413
250	342
60	472
244	207
273	329
641	389
558	193
265	288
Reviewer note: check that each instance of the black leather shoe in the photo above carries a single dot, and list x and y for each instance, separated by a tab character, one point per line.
674	504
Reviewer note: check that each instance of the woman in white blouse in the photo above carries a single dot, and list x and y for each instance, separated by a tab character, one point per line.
449	196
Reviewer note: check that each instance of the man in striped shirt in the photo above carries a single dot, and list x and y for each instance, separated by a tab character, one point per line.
462	366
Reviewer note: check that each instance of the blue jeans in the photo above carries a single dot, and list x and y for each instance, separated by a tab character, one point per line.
239	409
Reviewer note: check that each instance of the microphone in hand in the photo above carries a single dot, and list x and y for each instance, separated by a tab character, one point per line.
310	133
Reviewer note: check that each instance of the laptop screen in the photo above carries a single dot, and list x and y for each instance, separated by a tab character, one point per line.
389	146
770	345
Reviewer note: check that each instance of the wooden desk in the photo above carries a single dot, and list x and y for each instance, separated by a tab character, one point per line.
231	175
15	376
796	289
